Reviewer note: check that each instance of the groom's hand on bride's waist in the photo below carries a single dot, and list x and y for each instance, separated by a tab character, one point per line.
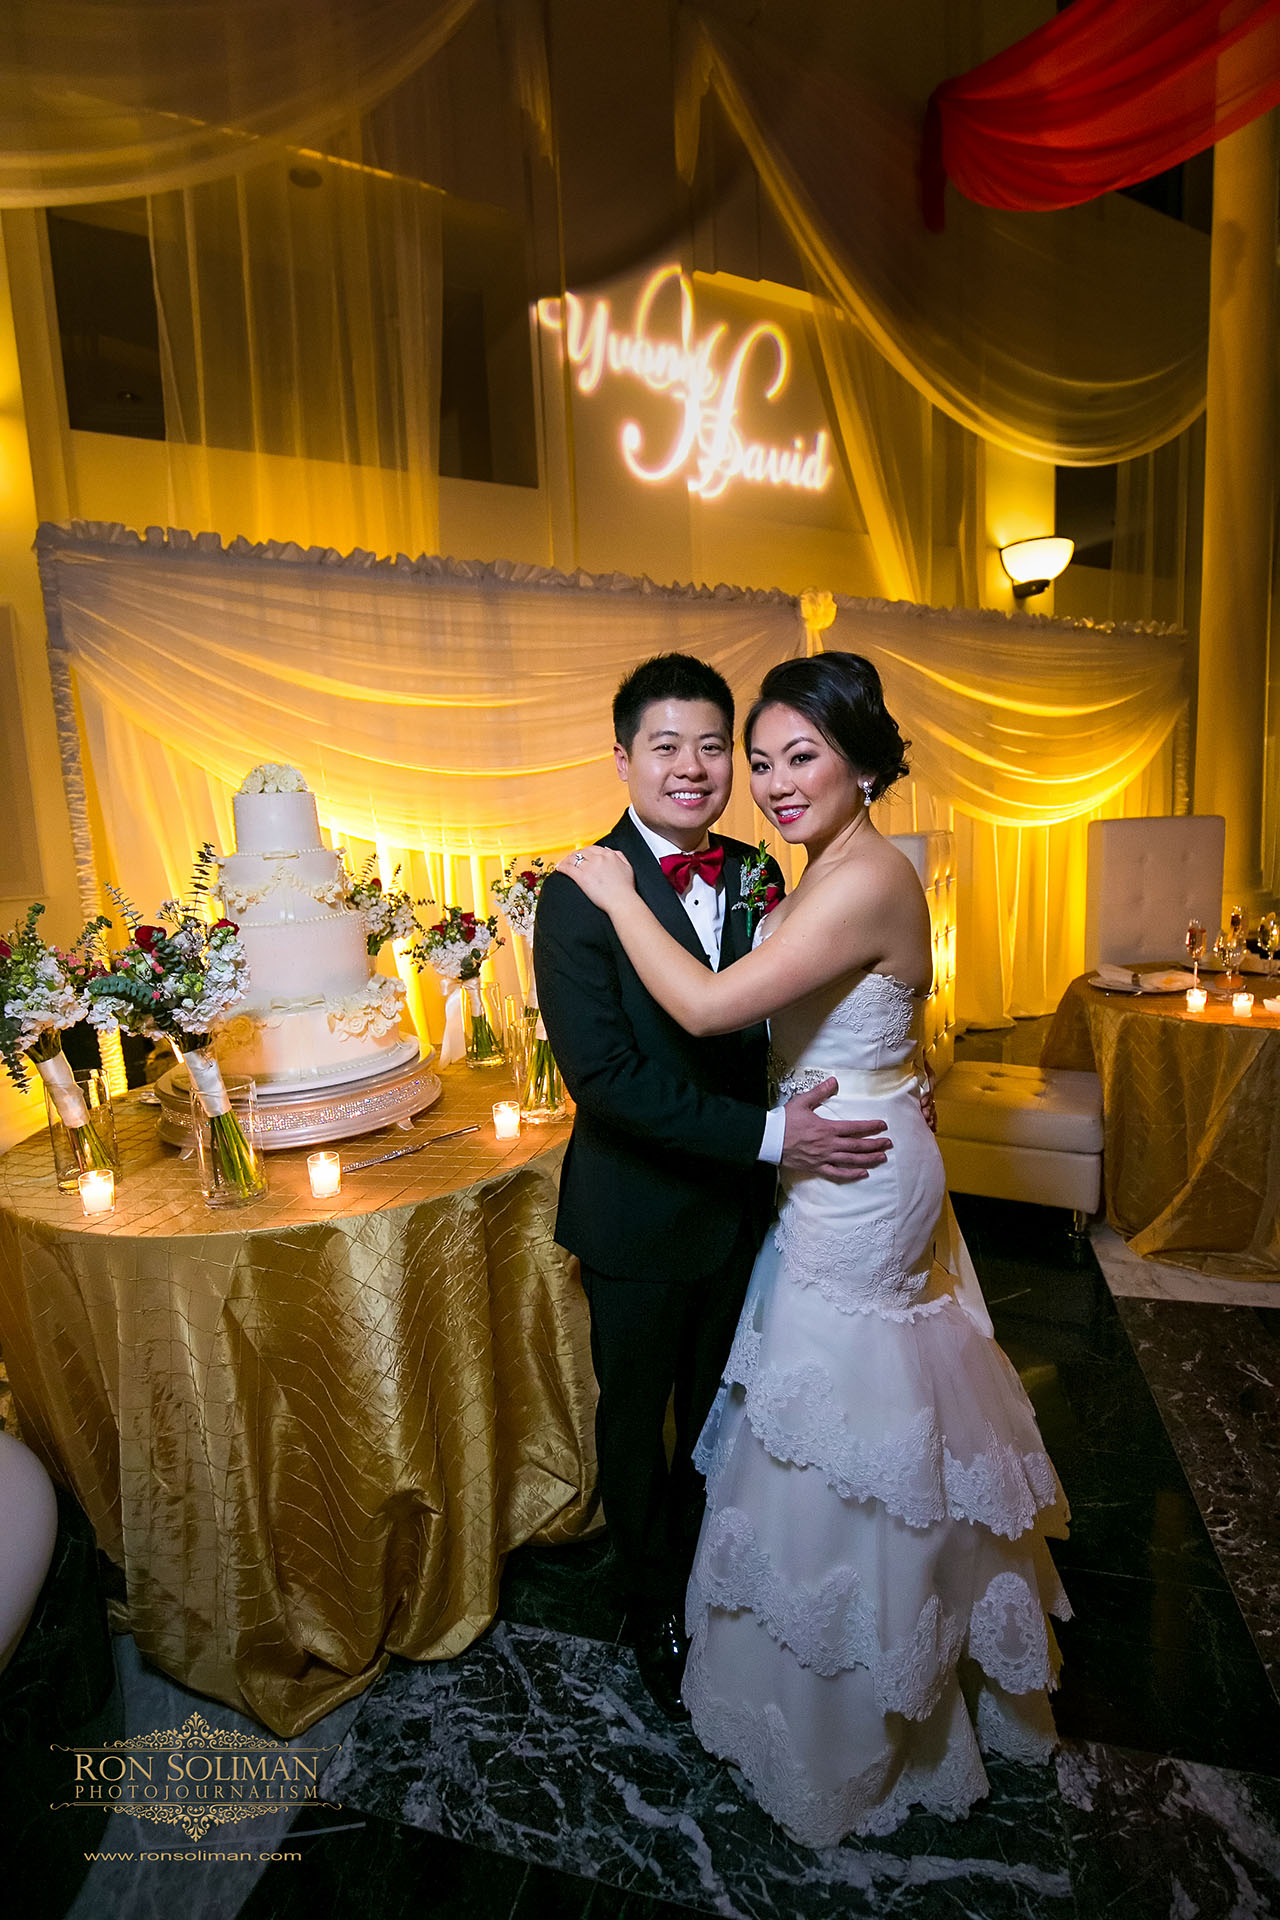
836	1149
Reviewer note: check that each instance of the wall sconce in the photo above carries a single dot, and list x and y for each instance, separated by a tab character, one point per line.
1033	564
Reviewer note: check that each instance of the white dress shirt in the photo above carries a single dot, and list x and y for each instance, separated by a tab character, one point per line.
704	905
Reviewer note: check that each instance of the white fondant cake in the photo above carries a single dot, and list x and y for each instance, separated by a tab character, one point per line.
316	1013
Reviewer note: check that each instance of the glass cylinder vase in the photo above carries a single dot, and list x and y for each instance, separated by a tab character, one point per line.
481	1022
224	1121
542	1090
82	1124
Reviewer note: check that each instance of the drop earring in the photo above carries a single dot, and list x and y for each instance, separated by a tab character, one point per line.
868	789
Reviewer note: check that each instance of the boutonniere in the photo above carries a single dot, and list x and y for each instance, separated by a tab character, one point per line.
759	894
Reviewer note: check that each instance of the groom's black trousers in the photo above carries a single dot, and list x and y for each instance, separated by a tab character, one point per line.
654	1341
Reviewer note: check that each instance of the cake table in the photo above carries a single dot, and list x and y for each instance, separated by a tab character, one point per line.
308	1431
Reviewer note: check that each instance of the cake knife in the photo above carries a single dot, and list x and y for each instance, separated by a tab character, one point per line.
358	1166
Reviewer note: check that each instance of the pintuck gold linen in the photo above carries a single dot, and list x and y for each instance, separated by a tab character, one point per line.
1191	1117
307	1431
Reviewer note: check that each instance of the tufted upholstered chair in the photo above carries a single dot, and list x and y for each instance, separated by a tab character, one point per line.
1009	1132
1147	879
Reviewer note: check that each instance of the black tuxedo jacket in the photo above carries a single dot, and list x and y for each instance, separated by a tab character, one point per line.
662	1162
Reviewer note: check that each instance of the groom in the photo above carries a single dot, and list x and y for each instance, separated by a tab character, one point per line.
668	1180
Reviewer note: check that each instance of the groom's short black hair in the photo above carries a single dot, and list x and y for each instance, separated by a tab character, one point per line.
667	676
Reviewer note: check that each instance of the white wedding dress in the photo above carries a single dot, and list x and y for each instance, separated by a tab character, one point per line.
867	1608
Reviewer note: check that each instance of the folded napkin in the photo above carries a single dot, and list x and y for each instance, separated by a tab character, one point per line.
1129	980
1272	1006
1108	975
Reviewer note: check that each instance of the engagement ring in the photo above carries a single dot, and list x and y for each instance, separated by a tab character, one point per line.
578	859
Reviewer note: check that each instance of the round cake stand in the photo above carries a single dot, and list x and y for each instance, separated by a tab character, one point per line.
309	1116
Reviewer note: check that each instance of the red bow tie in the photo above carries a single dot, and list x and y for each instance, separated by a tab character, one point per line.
681	867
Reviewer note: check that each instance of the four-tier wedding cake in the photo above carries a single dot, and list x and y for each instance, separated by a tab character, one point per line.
316	1014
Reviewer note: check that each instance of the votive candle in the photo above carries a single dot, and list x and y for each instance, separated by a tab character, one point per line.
1242	1005
97	1192
1197	999
324	1171
506	1119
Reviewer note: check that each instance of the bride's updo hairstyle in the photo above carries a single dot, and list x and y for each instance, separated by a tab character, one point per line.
840	693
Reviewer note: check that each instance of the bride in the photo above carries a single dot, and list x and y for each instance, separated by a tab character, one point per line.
867	1608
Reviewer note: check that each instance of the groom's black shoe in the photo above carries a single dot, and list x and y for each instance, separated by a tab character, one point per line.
660	1647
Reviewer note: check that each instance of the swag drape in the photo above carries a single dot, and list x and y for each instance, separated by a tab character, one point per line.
1105	93
1079	339
451	716
103	99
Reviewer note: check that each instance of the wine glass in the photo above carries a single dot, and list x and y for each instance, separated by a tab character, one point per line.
1195	947
1234	946
1269	940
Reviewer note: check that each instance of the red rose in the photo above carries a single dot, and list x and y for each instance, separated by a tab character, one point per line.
772	895
376	885
146	937
468	919
225	926
441	926
529	877
5	950
469	933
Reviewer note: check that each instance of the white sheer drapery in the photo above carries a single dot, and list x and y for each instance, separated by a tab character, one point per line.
1021	873
450	717
1065	336
104	99
299	321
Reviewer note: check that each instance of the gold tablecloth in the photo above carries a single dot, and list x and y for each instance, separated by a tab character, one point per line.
309	1430
1191	1118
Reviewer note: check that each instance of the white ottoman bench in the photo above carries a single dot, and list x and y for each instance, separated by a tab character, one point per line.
1022	1133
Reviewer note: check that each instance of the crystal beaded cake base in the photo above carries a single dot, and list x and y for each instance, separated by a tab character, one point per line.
303	1117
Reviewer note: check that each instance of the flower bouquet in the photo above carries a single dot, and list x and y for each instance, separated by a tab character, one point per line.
456	949
43	991
541	1088
176	980
389	913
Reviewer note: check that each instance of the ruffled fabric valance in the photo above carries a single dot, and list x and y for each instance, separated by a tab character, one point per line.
1077	338
103	99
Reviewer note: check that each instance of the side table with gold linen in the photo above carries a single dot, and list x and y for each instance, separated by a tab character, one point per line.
307	1431
1191	1119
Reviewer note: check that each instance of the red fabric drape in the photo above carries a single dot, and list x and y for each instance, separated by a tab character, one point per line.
1106	93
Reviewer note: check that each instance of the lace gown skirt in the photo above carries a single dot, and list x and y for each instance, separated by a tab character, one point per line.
868	1602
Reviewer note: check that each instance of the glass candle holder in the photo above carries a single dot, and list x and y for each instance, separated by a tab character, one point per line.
324	1171
1196	999
1242	1005
506	1119
97	1192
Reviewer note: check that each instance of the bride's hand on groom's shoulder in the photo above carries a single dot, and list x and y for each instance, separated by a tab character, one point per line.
834	1149
604	875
